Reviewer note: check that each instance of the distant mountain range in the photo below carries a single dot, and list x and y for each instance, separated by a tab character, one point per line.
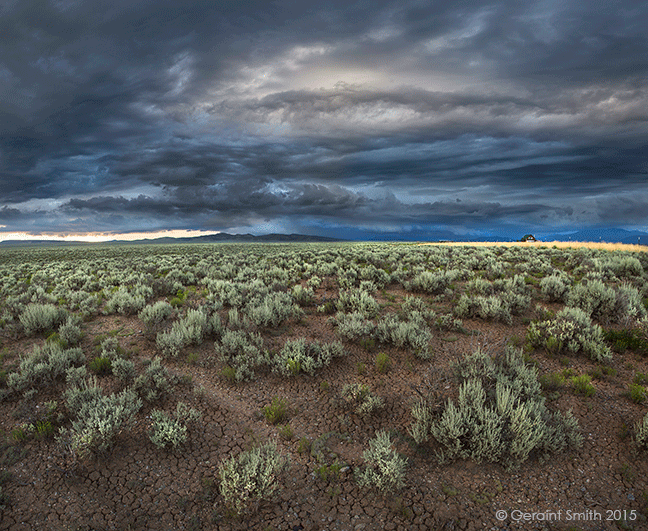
601	235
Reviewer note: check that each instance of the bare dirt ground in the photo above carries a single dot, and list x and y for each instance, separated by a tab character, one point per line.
137	486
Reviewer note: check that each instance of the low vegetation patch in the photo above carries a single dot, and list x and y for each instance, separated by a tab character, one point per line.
250	477
500	414
570	332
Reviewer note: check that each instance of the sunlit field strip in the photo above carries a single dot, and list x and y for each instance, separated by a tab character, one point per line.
560	245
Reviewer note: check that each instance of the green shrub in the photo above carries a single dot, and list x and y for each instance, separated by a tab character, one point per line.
552	381
70	333
641	433
304	446
41	317
361	399
154	383
637	393
124	302
229	373
250	477
123	370
155	314
353	326
286	432
385	469
241	351
570	332
414	333
328	472
500	414
582	385
44	365
167	431
277	411
297	356
628	339
101	366
97	419
272	309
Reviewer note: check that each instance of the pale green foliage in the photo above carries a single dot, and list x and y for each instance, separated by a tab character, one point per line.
124	302
554	288
626	267
155	314
594	298
236	322
299	356
480	286
438	281
417	304
272	309
572	332
166	431
500	414
242	352
172	431
123	370
188	331
43	365
301	295
87	303
70	332
629	305
385	468
98	419
154	382
250	477
641	433
74	376
414	333
354	326
358	300
492	307
110	348
39	317
361	399
314	282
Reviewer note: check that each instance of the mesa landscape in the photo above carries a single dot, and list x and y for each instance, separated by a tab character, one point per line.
323	386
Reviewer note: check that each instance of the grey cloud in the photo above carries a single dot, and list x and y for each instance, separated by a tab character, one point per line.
139	114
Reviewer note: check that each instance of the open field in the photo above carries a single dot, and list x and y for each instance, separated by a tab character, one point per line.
400	386
605	246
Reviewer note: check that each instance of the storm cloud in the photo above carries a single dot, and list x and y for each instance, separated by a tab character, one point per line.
337	119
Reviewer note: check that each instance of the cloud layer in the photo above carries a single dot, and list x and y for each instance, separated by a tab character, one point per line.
336	120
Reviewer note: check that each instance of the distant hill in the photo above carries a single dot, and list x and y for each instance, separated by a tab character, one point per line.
210	238
611	235
225	237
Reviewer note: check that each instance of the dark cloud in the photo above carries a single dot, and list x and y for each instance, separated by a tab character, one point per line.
144	115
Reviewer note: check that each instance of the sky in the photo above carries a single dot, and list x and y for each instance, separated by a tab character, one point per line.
363	120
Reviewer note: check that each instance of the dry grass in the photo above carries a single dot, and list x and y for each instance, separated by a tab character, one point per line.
560	245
